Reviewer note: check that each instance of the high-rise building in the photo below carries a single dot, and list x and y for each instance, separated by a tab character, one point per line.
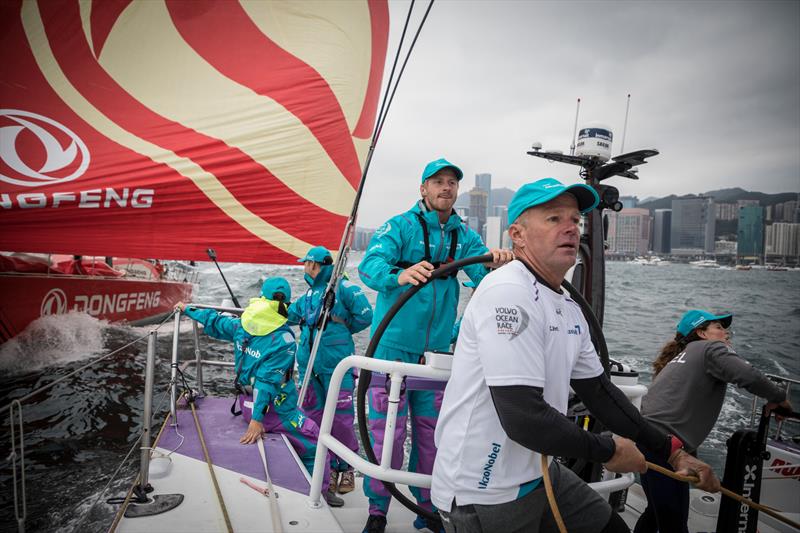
629	201
693	225
783	239
478	206
484	181
502	212
629	231
726	211
789	210
746	203
750	234
661	231
494	232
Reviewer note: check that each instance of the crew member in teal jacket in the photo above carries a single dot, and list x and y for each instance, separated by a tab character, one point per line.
264	354
403	252
351	313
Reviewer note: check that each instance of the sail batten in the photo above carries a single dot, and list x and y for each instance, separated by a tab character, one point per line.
194	137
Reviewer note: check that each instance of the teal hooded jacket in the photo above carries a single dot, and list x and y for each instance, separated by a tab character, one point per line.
352	312
426	321
261	360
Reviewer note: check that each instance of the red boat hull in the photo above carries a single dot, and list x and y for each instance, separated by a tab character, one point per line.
26	297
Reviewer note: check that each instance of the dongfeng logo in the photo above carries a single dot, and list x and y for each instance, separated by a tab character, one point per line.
56	165
54	303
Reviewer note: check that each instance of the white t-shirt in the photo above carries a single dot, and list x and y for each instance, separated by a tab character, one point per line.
515	331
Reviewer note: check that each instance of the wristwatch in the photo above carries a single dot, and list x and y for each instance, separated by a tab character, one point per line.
675	444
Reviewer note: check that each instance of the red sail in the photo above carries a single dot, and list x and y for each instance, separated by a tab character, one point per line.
163	128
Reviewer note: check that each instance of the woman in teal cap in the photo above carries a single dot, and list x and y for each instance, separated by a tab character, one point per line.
691	375
264	351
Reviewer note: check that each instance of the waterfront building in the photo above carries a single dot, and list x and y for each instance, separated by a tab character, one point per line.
662	224
629	231
723	247
783	239
494	232
478	207
484	182
726	211
693	226
750	234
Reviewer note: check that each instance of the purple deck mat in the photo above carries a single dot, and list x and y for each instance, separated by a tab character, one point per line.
222	432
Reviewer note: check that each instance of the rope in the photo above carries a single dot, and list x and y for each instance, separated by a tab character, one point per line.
275	512
16	406
729	493
551	497
669	473
114	475
84	367
211	469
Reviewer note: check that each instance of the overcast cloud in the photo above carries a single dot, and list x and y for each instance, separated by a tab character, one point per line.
715	88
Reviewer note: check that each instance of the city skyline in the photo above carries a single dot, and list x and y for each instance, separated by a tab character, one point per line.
714	88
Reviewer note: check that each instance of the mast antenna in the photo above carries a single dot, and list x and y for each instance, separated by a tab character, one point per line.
625	125
575	128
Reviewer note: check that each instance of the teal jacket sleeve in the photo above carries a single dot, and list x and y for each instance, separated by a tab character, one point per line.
377	270
474	246
456	329
214	324
296	312
357	305
264	393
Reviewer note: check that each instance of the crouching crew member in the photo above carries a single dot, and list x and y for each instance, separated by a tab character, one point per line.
264	349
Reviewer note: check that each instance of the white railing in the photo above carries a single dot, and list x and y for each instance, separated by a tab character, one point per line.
397	372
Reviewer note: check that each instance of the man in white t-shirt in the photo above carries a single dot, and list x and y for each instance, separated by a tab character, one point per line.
523	343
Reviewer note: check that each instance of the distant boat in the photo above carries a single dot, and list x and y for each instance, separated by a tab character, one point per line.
705	263
649	261
744	267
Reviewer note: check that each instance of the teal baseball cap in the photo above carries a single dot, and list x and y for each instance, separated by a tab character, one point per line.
694	318
544	190
275	285
435	166
469	284
317	254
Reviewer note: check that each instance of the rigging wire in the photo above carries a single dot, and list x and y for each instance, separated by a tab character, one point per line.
121	464
329	297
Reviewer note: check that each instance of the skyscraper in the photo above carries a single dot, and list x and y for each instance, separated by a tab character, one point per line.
783	239
750	234
478	205
693	225
484	182
629	231
662	226
494	235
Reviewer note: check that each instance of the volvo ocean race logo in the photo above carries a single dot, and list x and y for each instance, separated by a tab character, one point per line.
54	303
44	163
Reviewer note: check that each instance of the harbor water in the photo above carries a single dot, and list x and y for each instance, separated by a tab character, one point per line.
77	433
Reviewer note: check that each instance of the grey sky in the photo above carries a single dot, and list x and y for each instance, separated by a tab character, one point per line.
715	88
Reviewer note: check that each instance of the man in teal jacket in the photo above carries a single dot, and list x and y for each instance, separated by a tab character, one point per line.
403	252
351	313
264	351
